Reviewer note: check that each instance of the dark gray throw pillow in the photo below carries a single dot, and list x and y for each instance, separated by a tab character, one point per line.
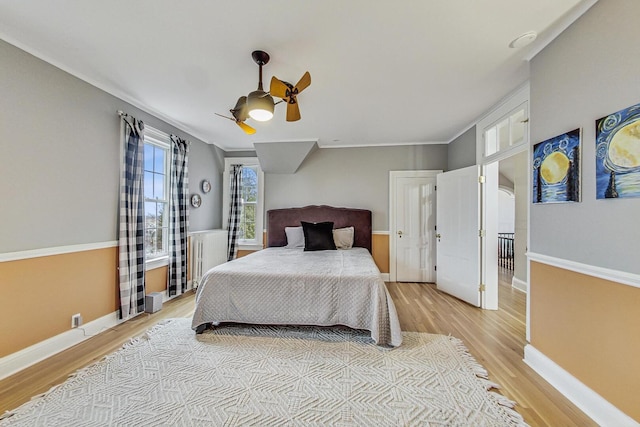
318	236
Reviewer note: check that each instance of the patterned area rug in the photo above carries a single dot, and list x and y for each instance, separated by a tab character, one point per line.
265	376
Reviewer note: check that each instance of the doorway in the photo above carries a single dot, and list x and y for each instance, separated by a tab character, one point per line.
412	219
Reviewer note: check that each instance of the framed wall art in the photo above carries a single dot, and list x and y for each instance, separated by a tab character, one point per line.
618	154
556	169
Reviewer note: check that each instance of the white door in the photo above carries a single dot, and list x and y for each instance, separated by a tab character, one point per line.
414	231
458	234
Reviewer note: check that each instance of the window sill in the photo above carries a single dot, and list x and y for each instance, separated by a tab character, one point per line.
156	263
250	247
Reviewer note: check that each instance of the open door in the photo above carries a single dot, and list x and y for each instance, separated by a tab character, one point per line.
458	234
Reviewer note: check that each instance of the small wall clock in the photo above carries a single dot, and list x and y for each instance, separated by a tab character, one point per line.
206	186
196	201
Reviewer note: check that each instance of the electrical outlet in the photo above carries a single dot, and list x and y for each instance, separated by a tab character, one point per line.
76	320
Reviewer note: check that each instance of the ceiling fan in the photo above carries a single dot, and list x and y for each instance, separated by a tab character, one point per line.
259	105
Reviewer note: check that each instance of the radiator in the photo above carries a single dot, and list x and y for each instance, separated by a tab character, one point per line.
208	249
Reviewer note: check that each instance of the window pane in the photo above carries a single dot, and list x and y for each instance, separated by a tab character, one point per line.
150	217
148	185
160	237
517	127
249	221
503	135
163	212
249	185
158	186
159	160
491	141
148	157
150	242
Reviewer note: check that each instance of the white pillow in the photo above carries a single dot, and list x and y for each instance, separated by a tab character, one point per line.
295	237
343	237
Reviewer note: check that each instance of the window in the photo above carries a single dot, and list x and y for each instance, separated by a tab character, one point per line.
504	131
251	216
156	193
505	134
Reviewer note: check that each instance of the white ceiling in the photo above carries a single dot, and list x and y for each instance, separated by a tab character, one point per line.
383	72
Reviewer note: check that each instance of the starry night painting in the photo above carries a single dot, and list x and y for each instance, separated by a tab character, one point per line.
618	154
556	169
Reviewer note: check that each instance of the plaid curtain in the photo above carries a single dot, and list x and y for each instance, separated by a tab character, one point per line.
179	218
235	210
131	227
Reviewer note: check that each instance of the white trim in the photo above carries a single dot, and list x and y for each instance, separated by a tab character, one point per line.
618	276
385	277
388	144
31	355
380	232
590	402
254	247
56	250
393	176
520	285
156	263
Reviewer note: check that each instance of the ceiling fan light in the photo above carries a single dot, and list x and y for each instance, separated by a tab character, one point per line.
260	105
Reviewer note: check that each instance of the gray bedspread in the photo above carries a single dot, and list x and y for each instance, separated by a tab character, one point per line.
289	286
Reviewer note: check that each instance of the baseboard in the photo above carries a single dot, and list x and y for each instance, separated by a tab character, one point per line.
24	358
385	276
590	402
520	285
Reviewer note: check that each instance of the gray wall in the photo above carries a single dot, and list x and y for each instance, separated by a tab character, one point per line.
206	162
462	150
59	154
351	177
591	70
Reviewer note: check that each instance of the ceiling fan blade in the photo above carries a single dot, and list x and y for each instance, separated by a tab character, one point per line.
304	82
225	117
240	111
246	128
293	112
278	88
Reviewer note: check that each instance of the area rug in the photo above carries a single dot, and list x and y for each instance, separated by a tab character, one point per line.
274	376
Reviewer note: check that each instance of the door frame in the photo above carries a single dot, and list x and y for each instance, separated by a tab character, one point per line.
393	178
489	216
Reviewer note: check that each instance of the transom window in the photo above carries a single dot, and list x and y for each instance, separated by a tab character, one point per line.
505	134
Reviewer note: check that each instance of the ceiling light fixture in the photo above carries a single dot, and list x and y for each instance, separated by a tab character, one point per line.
260	104
523	40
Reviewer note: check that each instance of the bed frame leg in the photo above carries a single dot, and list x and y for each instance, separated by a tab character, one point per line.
201	328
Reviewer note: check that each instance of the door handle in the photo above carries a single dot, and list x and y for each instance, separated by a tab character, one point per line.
438	235
400	233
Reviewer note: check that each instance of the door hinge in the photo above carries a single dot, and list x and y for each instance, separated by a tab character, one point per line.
482	233
481	179
482	287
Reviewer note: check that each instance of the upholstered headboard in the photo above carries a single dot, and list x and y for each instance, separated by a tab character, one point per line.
278	219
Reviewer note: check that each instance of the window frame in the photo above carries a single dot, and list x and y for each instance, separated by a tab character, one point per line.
244	244
160	140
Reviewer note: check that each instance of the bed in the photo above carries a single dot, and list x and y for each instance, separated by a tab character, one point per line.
290	286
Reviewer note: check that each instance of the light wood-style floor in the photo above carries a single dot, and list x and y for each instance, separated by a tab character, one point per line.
495	338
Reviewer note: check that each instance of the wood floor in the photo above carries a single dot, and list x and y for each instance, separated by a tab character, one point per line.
495	338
